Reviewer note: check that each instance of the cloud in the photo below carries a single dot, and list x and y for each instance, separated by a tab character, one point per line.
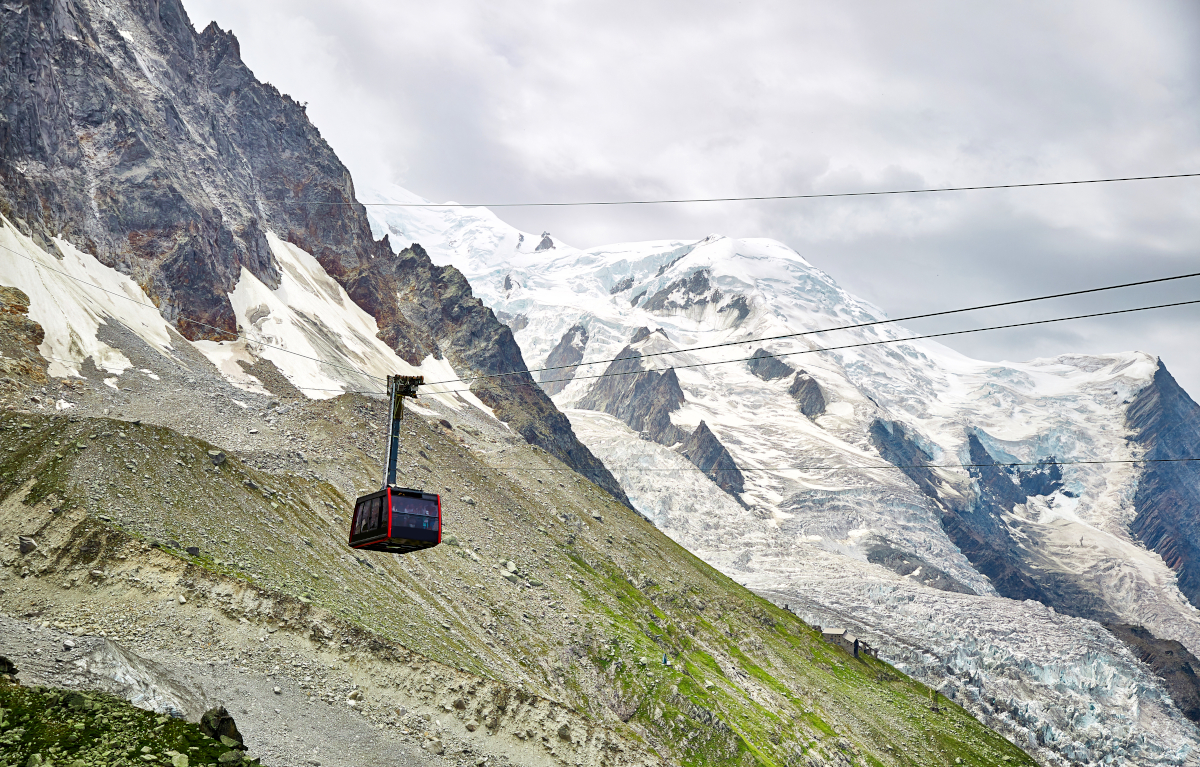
566	100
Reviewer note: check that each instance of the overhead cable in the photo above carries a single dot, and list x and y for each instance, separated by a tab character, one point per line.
888	466
836	348
840	327
878	342
815	196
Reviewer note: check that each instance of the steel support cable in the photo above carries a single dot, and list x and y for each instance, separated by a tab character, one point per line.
878	342
889	466
187	319
834	348
872	323
827	195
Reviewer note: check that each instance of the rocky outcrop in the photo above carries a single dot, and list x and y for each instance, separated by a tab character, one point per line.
767	366
621	286
644	400
154	148
909	564
642	333
1170	661
1165	423
564	359
19	340
704	450
695	290
807	394
983	537
978	519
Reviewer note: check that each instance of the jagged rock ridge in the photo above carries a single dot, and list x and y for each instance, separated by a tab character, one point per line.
564	360
1166	423
645	400
155	149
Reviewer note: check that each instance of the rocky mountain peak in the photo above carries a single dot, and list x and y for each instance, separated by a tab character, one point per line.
155	149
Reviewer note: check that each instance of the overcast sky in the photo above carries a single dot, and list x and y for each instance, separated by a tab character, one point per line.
553	100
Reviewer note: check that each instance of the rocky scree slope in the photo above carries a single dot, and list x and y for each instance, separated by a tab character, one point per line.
154	149
536	634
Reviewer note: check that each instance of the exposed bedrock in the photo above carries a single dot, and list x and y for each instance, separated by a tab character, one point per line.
1166	423
19	340
642	333
808	395
1170	660
644	400
979	520
912	566
704	450
975	523
564	360
154	148
978	527
684	293
767	366
621	286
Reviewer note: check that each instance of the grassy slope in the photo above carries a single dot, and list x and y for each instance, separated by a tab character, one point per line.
70	728
586	619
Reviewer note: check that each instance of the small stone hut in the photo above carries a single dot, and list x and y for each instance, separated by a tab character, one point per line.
847	641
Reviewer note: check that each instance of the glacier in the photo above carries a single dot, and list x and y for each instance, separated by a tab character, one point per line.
990	583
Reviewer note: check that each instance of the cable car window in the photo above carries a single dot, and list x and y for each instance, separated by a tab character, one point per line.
376	508
360	517
414	513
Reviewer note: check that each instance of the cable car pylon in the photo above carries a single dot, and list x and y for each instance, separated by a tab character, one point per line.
397	519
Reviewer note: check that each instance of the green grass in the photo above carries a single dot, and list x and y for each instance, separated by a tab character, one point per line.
778	689
40	725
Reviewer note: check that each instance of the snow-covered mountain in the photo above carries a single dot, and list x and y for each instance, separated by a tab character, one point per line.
796	468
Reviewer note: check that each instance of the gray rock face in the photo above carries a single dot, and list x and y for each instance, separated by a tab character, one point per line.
807	394
621	286
20	338
708	454
685	293
565	358
1162	418
768	367
1166	423
909	564
154	148
981	535
644	400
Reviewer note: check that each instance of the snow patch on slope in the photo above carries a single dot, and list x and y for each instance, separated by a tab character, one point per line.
71	297
318	337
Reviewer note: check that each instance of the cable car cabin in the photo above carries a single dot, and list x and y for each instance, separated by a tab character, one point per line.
398	520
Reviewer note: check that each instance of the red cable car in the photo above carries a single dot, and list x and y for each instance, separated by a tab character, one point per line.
396	519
